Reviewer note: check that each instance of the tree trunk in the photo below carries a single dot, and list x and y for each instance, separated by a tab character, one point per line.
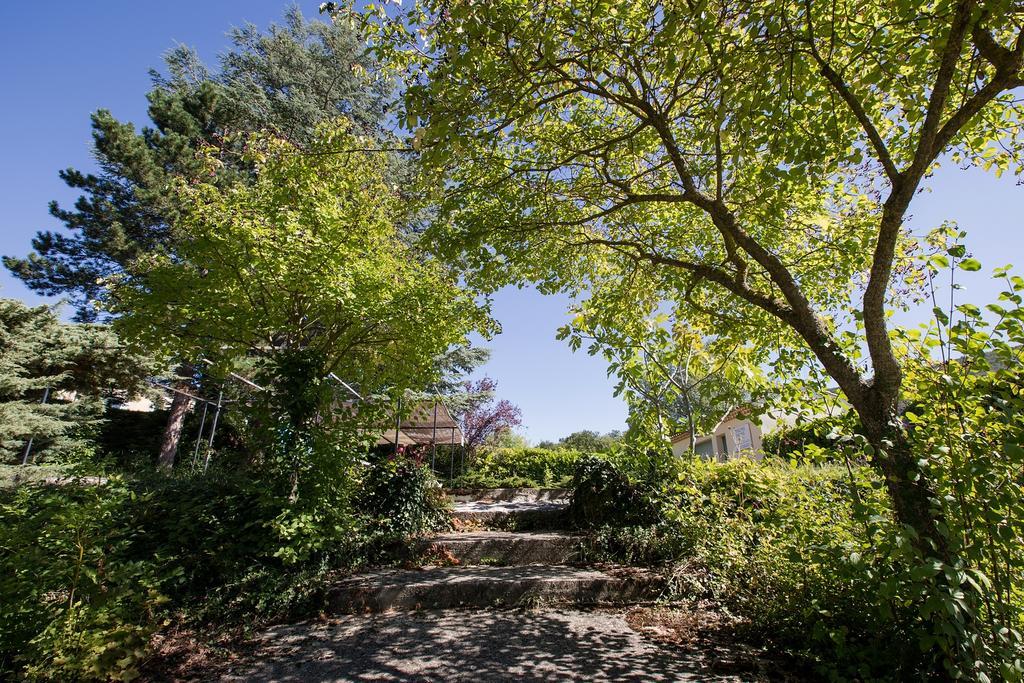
180	406
911	491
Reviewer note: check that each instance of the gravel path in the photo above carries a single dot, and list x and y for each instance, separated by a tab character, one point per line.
516	645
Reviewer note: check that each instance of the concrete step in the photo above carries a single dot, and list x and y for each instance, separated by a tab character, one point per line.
488	587
519	515
509	495
503	548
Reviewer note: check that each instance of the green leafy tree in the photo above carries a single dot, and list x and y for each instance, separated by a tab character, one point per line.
508	439
659	143
55	378
304	267
750	162
589	441
452	368
671	377
286	80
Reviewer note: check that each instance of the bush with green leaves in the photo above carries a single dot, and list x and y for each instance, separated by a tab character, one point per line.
806	439
965	382
78	602
602	494
654	545
519	468
786	547
89	571
777	543
401	497
810	557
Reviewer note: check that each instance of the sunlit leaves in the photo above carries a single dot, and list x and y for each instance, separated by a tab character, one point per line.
570	143
306	256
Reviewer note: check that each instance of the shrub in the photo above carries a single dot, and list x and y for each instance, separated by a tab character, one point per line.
602	495
520	468
793	441
88	573
783	545
78	602
131	439
651	545
402	498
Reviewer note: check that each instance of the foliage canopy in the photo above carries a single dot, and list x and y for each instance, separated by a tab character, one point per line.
745	167
305	256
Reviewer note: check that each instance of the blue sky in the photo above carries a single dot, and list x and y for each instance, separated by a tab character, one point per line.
61	60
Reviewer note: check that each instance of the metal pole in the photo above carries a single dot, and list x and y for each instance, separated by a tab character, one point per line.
398	423
239	377
433	439
28	446
199	437
344	384
213	429
451	457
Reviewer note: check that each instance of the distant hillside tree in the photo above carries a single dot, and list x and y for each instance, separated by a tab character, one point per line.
588	441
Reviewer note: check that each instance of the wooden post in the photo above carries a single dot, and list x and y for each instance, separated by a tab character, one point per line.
398	424
433	438
451	457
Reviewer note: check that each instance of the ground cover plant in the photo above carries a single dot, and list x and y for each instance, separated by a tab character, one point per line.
92	571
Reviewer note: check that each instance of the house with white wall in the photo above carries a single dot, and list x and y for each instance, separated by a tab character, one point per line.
735	436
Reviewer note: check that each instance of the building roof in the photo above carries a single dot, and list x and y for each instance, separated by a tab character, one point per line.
735	413
428	422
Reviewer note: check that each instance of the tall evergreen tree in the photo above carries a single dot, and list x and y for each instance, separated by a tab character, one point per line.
54	378
284	80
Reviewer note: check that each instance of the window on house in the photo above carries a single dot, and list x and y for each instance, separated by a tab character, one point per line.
723	445
705	448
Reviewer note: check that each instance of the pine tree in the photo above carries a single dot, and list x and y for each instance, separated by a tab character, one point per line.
54	378
285	80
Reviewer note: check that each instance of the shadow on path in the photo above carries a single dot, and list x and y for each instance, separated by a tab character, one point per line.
516	645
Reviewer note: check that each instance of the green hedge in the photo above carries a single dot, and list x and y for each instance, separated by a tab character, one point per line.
779	544
519	468
807	439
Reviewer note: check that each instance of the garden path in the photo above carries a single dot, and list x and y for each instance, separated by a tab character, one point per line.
529	612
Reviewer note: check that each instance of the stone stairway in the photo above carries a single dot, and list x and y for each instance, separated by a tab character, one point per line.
527	560
519	509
